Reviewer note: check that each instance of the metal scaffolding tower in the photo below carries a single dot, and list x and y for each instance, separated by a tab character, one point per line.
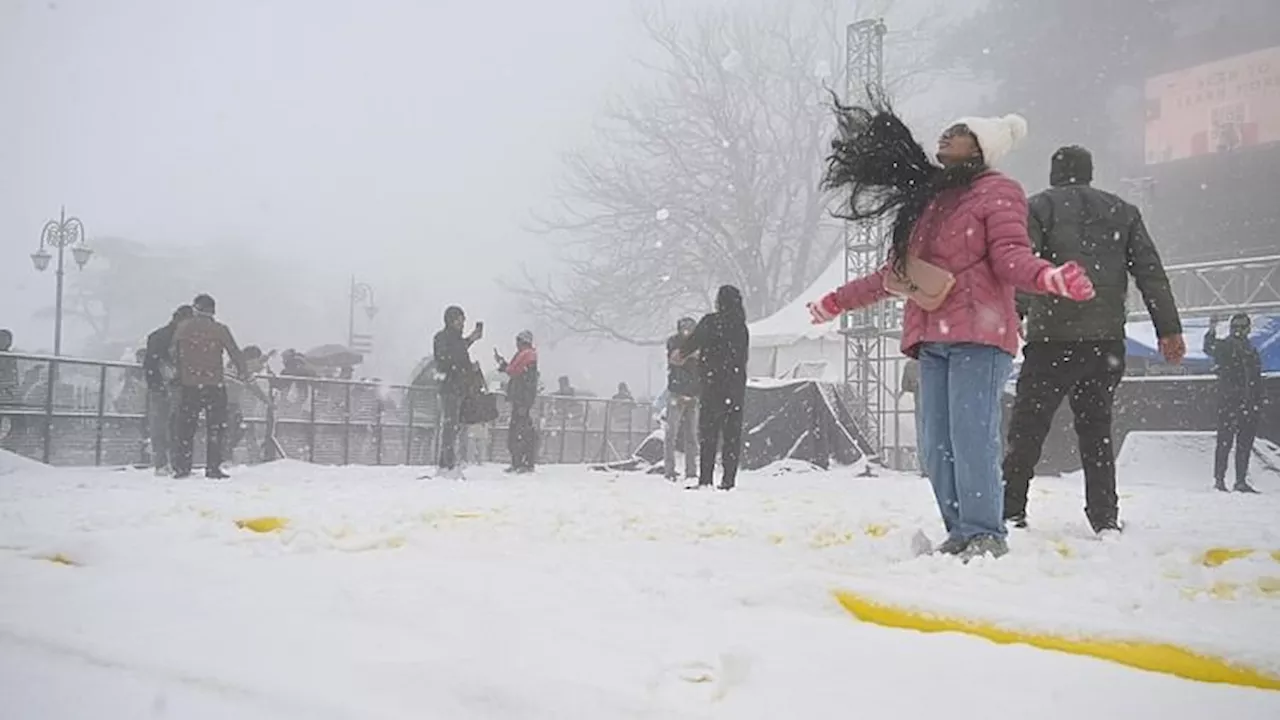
866	365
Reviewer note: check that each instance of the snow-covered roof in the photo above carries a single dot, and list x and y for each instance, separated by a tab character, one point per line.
791	324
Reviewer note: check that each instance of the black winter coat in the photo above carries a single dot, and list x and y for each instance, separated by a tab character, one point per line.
453	359
159	358
1107	237
722	342
683	379
1239	369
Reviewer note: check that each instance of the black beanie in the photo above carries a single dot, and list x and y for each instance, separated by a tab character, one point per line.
452	313
1071	165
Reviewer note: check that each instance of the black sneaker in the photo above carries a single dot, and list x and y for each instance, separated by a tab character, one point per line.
952	546
1018	520
216	474
1244	487
1220	486
1111	528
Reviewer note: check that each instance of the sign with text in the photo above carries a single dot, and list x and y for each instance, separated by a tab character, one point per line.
1217	107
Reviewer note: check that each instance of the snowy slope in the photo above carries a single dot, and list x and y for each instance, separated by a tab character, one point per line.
582	595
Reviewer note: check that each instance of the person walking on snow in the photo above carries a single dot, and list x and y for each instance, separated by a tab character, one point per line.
160	372
1077	350
970	221
1240	398
452	353
720	340
197	347
522	393
683	387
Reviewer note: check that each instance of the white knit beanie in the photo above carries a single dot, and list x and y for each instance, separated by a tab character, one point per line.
997	136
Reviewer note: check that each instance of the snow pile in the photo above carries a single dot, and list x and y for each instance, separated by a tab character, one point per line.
579	594
1184	459
12	463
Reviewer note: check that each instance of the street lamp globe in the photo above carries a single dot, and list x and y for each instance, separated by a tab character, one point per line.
40	259
81	255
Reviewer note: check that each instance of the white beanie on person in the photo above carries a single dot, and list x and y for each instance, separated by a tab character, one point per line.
997	136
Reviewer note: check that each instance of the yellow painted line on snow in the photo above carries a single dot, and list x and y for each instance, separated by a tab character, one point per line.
60	559
264	524
1217	557
1155	657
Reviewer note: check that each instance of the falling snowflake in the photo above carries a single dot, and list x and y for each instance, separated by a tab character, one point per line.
662	214
658	244
665	278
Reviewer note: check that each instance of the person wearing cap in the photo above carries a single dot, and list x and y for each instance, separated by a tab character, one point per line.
522	393
963	220
452	351
683	387
197	348
1076	350
1240	398
161	374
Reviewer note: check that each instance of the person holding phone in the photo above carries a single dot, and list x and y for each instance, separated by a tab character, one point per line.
452	351
1240	397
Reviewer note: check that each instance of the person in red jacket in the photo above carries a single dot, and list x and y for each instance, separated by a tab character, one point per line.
968	222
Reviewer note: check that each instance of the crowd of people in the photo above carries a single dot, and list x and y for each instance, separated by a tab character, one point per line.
982	271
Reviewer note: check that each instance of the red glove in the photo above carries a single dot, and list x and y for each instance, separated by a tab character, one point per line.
825	310
1068	280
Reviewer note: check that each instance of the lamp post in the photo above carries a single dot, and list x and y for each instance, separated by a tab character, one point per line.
65	232
360	293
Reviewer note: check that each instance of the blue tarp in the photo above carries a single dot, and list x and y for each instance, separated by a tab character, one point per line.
1141	342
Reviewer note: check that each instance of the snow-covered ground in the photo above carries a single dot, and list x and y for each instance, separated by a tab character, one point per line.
575	594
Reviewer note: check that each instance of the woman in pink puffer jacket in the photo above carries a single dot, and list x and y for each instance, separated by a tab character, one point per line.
970	220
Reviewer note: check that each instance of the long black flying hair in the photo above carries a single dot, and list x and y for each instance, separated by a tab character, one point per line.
887	171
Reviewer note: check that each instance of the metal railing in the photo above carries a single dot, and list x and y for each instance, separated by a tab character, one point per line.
72	411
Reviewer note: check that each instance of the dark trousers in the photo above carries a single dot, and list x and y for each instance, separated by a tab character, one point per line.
1087	374
212	401
522	439
450	424
160	421
1238	426
720	428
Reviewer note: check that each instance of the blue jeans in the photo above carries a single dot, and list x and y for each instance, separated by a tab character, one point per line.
960	391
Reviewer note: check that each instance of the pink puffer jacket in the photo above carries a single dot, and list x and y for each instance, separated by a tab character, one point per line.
979	233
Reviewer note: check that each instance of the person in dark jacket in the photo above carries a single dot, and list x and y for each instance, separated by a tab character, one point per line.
1076	349
452	352
721	340
197	348
161	373
522	393
683	387
1240	398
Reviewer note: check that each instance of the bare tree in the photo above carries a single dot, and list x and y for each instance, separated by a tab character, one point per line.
708	175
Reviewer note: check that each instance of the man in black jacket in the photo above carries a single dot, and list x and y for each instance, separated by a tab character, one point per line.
683	386
161	371
1076	350
1240	397
721	341
522	393
452	353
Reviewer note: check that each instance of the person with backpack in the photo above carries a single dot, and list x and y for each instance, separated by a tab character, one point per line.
452	352
1074	349
958	251
1240	397
522	394
720	341
161	372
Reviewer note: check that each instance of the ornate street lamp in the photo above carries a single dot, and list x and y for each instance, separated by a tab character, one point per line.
361	293
63	234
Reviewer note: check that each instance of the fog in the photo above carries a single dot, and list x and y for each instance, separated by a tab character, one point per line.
400	141
266	152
